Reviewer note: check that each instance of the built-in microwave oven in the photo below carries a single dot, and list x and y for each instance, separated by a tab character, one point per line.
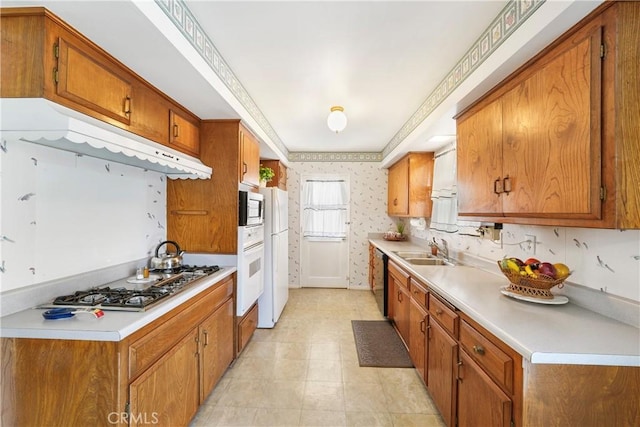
251	208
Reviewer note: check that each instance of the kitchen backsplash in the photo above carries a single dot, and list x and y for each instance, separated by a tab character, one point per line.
64	214
604	260
368	187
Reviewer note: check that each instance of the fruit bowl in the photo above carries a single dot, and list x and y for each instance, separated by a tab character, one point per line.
536	287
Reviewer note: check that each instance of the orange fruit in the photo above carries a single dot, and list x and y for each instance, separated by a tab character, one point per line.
562	270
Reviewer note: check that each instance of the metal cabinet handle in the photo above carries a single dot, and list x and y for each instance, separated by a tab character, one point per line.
507	184
478	350
244	168
127	105
422	326
206	338
395	202
400	296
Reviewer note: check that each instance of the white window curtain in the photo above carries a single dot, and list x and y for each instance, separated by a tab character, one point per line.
444	212
325	204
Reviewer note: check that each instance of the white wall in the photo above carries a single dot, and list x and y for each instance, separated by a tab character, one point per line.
64	214
368	184
604	260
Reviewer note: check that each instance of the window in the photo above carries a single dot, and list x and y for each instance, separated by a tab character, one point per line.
325	208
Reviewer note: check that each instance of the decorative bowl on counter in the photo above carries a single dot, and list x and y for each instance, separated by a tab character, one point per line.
394	236
529	281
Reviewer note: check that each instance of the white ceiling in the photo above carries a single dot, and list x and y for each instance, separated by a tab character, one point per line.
378	59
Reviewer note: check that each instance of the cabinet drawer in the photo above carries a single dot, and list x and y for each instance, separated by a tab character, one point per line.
398	274
444	314
419	293
247	326
495	362
149	348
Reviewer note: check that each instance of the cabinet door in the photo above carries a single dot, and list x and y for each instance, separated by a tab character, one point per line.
398	194
167	393
551	131
417	336
149	115
403	299
479	149
216	340
184	134
442	358
282	176
420	184
91	83
480	401
249	159
280	170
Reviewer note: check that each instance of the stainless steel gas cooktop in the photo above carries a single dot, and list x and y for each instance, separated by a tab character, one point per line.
124	299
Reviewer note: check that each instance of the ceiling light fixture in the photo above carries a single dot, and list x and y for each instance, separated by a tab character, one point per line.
337	120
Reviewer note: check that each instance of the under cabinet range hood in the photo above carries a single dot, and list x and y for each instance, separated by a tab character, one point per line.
41	121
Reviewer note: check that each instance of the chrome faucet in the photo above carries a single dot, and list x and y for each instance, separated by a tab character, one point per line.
445	250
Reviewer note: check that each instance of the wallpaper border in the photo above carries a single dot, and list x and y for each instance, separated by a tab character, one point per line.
512	16
334	157
178	12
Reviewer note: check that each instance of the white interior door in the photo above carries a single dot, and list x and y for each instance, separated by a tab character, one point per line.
324	222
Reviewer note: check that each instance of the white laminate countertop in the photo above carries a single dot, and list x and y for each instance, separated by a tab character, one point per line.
113	326
541	333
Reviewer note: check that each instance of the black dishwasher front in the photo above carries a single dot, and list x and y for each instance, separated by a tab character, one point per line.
380	283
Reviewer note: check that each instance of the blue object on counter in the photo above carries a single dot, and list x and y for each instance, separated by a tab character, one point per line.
59	313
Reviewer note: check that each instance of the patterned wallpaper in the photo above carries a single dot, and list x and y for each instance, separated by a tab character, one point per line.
64	214
368	185
604	260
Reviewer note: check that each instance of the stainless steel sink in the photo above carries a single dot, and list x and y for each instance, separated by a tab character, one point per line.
415	254
422	258
428	261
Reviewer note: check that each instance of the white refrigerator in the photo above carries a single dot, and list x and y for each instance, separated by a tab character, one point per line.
276	259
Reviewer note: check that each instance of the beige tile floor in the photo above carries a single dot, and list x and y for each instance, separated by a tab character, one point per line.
305	372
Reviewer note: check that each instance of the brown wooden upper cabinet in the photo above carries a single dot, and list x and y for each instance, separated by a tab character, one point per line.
280	178
98	85
409	188
184	133
249	158
202	214
546	145
43	57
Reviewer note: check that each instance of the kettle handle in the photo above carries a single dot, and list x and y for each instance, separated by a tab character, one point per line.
168	241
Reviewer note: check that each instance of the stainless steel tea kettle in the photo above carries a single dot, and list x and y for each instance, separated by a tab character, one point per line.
168	260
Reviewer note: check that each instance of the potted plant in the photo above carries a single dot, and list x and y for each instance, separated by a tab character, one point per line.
266	175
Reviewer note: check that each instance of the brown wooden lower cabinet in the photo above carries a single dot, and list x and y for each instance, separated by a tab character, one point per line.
247	325
401	312
217	350
167	393
442	361
158	375
417	336
581	395
477	380
399	298
480	401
